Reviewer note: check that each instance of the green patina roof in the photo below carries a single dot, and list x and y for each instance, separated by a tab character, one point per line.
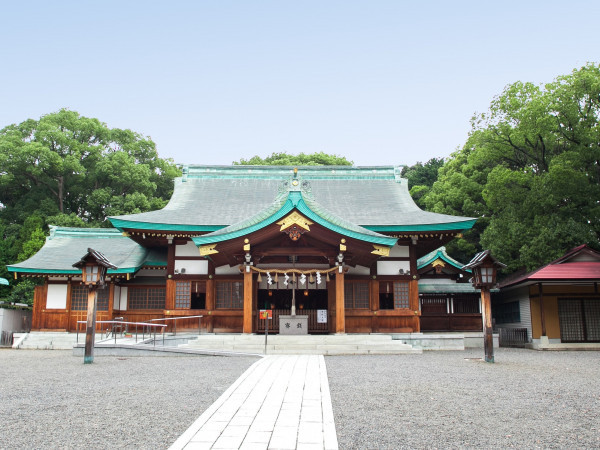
440	253
284	204
65	246
207	198
449	287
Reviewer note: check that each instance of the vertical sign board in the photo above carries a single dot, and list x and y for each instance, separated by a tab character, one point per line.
321	316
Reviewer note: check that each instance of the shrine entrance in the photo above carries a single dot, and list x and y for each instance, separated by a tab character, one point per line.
308	303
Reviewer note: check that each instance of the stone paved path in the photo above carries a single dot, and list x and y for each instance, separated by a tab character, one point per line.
280	402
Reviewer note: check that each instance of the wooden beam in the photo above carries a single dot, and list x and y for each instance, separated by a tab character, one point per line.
542	312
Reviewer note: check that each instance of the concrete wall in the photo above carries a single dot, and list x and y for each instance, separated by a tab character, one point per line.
15	320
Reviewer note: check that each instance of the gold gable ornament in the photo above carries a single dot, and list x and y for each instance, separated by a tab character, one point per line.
209	249
295	218
381	250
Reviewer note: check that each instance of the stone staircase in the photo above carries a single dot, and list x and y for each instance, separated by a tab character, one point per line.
346	344
46	340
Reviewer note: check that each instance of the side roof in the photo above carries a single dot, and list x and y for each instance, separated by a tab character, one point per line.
579	264
440	253
65	246
207	198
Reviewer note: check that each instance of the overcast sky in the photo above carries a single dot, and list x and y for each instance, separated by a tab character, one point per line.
380	82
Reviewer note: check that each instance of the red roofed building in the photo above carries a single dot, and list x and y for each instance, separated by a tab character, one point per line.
558	304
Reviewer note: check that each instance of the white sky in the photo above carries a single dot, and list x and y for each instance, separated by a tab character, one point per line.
380	82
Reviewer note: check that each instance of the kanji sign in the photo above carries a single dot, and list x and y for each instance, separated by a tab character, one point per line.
321	316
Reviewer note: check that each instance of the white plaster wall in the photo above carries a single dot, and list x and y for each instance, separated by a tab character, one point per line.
359	270
117	297
196	267
15	320
123	300
189	249
57	296
227	270
400	251
392	267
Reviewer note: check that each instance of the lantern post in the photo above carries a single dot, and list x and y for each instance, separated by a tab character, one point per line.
93	267
484	267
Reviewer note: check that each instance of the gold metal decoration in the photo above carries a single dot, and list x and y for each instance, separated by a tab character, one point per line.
246	245
295	218
209	249
381	250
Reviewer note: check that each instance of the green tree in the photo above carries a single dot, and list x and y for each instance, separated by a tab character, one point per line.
531	170
421	177
67	164
302	159
22	292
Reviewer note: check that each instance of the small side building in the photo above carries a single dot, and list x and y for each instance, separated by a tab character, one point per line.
448	301
558	304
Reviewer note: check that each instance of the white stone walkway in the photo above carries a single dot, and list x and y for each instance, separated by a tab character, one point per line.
280	402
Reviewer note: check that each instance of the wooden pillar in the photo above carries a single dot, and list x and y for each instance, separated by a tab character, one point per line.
374	305
340	313
413	293
170	295
210	304
331	306
248	300
111	300
542	313
488	337
90	332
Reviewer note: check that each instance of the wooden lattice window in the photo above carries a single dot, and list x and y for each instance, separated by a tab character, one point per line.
356	295
401	295
147	298
79	298
507	313
230	295
434	304
183	291
579	319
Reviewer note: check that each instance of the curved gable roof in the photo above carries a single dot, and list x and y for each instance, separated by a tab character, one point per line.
207	198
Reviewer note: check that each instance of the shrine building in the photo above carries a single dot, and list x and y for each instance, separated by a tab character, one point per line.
335	245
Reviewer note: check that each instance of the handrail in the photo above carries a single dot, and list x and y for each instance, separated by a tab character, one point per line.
122	322
176	319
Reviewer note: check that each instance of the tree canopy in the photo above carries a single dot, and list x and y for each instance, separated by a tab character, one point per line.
421	177
530	170
66	169
302	159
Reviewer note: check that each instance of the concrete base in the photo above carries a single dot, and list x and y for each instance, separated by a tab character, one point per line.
443	341
544	343
293	325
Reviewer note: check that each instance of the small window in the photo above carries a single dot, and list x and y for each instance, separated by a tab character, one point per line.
147	298
79	298
182	294
507	313
230	295
356	295
401	297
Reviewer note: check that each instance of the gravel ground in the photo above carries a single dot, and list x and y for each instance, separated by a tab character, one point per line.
525	399
50	399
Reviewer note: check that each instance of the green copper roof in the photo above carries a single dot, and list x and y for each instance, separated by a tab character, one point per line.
440	253
207	198
65	246
284	204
